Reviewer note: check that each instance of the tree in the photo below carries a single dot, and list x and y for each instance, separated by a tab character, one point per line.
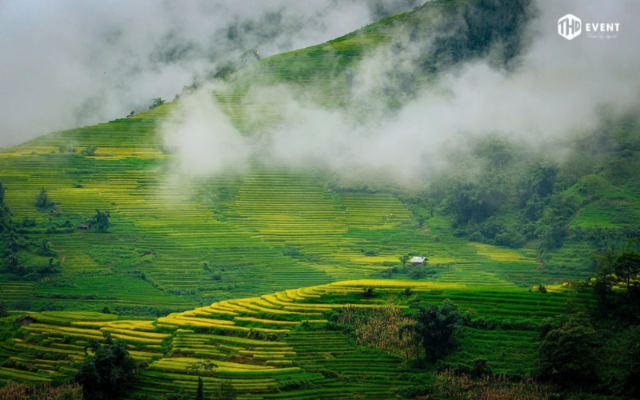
225	391
90	150
105	375
604	281
567	351
437	327
627	267
199	392
404	259
2	189
45	249
206	366
249	57
631	382
157	102
101	221
43	200
11	261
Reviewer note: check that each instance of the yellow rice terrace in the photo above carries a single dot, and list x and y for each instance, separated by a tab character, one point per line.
389	199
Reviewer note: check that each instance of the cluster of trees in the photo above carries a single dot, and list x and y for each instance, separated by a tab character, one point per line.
433	330
90	150
66	148
501	193
31	268
598	349
106	374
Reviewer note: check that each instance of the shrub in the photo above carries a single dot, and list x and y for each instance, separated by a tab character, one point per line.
370	252
90	150
21	391
449	385
43	200
379	329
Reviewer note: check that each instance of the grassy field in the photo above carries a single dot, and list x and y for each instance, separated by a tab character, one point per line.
265	348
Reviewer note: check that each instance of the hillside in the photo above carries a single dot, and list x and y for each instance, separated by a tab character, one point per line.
279	280
274	228
225	237
274	346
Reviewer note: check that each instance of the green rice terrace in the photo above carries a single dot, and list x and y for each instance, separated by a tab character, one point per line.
275	282
268	346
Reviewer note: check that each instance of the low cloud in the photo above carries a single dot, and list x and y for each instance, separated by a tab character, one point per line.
70	63
554	90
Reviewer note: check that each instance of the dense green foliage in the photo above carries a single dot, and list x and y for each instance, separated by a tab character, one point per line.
596	349
436	327
568	351
43	200
106	374
157	102
100	221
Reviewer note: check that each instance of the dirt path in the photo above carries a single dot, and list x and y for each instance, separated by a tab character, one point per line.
540	261
571	221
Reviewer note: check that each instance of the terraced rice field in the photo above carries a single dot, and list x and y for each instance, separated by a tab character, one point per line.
260	345
265	229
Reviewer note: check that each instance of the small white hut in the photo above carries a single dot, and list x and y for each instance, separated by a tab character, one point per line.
418	260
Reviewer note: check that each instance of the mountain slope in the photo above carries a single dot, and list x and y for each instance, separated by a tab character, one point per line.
265	229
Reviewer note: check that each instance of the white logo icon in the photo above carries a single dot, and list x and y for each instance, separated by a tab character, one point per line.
569	26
